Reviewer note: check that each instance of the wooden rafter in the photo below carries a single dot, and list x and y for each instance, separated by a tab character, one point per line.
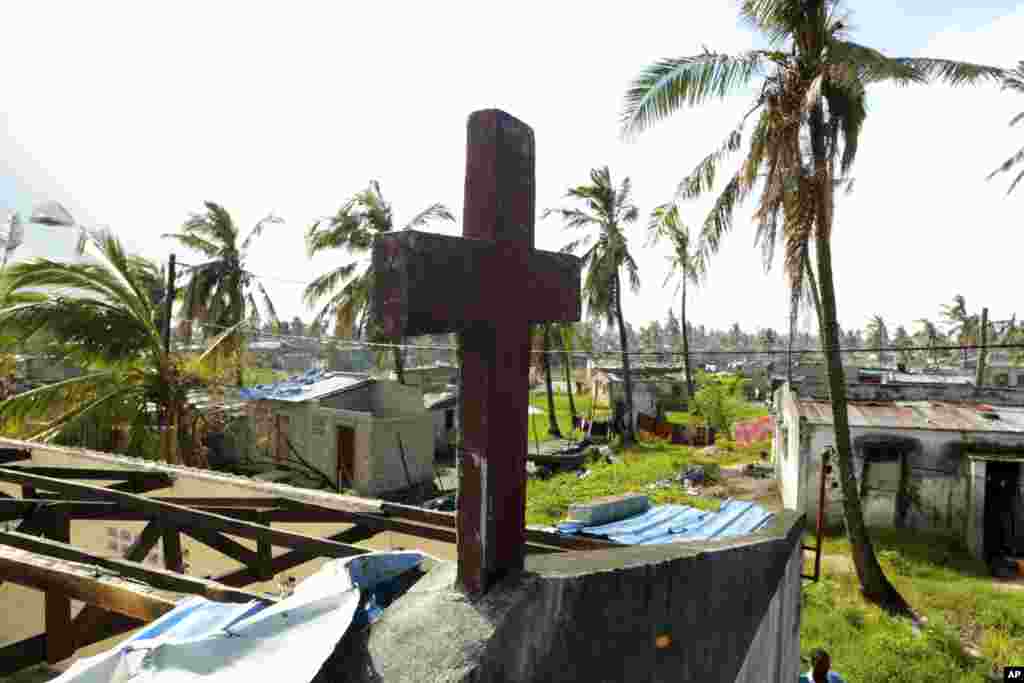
55	576
181	516
157	578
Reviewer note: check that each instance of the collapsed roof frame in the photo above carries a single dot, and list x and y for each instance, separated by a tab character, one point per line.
122	594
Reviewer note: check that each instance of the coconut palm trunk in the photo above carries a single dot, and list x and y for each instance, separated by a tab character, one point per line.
686	345
627	421
399	363
553	429
876	586
567	359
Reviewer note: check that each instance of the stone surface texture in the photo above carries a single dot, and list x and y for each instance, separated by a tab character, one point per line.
725	611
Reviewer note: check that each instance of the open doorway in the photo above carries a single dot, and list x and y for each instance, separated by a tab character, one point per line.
1003	532
346	449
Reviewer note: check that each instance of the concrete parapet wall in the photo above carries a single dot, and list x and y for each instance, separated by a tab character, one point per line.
725	611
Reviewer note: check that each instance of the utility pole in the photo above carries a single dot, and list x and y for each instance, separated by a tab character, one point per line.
980	377
169	303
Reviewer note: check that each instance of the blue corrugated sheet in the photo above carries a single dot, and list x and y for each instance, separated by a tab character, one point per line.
311	385
678	524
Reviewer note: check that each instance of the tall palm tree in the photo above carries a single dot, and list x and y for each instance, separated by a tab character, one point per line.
810	105
878	335
567	334
1014	80
609	209
221	291
103	313
687	262
353	228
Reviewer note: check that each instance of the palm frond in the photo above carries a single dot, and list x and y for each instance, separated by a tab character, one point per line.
258	229
267	303
953	72
702	178
669	85
434	212
194	242
327	283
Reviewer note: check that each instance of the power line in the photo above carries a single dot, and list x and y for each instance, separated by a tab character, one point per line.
356	343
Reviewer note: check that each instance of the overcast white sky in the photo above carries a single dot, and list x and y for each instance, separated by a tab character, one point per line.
132	114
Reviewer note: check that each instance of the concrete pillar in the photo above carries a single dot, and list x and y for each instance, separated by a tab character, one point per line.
974	534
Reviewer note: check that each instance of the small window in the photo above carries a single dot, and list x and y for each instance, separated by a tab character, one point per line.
1020	380
449	419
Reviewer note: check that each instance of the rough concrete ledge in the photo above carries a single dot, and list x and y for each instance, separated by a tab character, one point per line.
723	611
270	489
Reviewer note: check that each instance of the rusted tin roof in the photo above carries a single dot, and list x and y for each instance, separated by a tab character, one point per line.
935	415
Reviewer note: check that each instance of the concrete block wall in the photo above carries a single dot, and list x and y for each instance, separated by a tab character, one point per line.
725	611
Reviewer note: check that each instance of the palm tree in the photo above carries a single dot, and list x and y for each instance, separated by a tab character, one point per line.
878	336
545	358
103	313
810	106
610	210
353	228
567	334
931	336
963	326
687	262
220	291
1014	80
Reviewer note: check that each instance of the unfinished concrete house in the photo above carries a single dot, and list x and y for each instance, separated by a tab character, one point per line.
942	458
354	429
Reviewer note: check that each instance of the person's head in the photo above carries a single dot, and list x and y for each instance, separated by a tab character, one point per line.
820	662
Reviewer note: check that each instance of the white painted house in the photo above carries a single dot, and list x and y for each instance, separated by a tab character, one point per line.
349	426
943	458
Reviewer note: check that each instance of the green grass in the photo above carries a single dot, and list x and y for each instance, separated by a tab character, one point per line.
943	583
548	500
562	414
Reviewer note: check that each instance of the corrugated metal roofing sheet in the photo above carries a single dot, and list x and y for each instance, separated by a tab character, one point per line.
935	415
678	524
309	386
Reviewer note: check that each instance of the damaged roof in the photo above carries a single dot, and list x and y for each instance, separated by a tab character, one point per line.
934	415
313	385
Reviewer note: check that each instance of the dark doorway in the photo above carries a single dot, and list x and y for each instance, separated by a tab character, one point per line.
346	457
882	484
1002	520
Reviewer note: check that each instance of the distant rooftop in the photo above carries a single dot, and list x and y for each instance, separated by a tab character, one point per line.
309	386
932	415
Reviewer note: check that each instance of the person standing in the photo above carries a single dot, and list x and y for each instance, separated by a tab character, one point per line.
820	672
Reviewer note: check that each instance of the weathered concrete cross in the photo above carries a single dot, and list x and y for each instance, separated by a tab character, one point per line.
488	286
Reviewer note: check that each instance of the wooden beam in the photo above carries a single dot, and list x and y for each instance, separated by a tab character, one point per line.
264	557
182	516
91	473
437	532
144	542
143	485
292	558
22	654
537	536
221	543
42	573
60	639
160	579
173	559
9	455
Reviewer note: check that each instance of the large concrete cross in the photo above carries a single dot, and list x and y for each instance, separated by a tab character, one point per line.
488	286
